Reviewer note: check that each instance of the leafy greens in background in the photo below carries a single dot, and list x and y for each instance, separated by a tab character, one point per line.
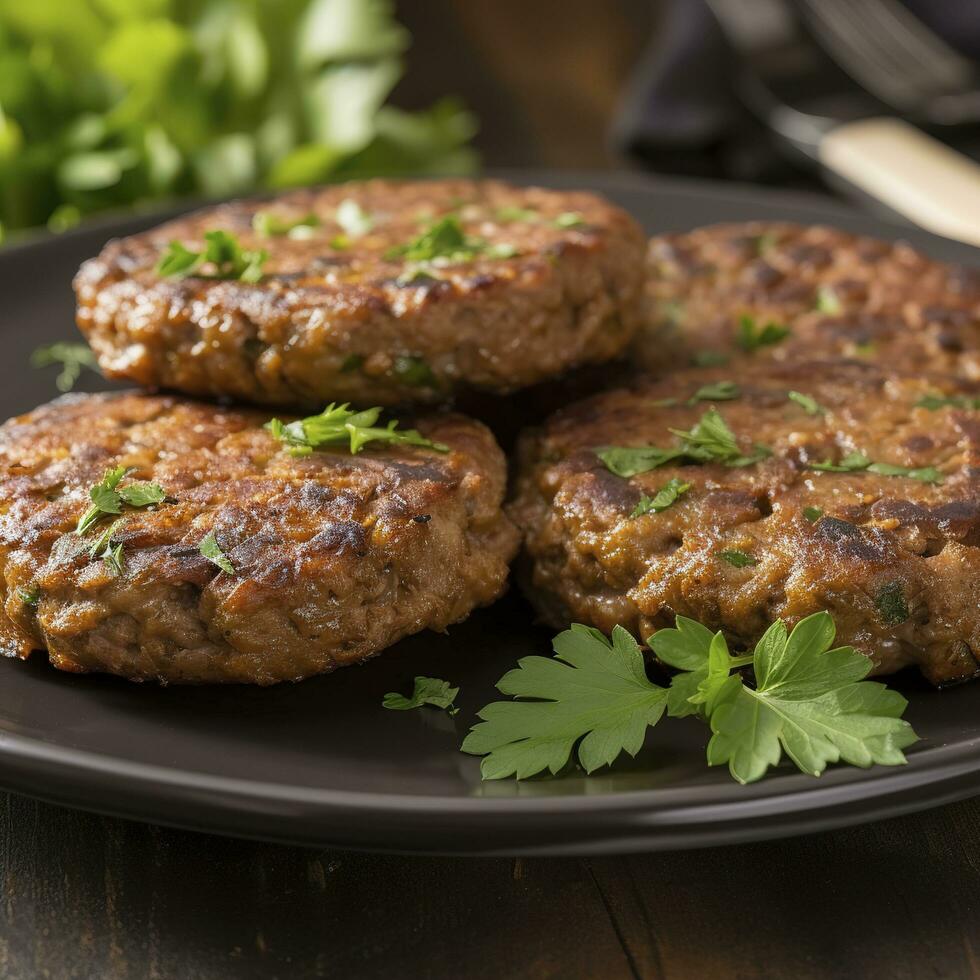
110	103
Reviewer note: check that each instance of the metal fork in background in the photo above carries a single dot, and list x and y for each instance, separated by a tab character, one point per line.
898	58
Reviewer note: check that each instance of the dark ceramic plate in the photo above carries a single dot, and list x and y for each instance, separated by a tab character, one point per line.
320	762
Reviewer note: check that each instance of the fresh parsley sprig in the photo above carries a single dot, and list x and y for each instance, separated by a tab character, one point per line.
933	402
594	700
210	549
750	336
856	462
427	690
594	695
444	242
221	252
108	497
709	441
339	425
73	358
665	497
807	402
267	224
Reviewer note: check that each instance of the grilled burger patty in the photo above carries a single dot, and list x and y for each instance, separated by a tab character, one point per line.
525	283
894	558
335	556
839	294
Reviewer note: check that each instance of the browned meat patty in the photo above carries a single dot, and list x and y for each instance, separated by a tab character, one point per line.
894	558
541	281
838	294
335	556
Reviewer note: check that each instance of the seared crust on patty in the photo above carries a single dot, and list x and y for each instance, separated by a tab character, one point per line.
335	317
895	560
840	295
336	556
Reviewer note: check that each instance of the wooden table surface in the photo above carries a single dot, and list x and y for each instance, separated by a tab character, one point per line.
90	897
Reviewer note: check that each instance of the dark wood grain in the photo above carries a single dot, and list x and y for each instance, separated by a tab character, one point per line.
86	896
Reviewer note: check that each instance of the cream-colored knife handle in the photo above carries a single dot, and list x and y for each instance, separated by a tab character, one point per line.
914	174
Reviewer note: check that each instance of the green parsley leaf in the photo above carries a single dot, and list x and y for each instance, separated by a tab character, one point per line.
142	494
668	494
712	441
850	463
813	514
72	357
629	461
710	358
891	604
113	557
934	402
828	301
855	462
269	225
107	497
811	702
750	337
709	441
338	425
211	550
443	239
809	405
594	694
428	690
569	219
739	559
510	214
30	596
414	371
221	252
720	391
697	654
354	219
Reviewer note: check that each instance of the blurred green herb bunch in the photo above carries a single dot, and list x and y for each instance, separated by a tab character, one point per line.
108	103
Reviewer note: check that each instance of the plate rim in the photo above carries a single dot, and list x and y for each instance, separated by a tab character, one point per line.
611	822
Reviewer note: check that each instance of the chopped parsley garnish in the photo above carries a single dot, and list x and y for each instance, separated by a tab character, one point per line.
113	557
269	225
710	358
593	701
72	357
445	239
416	275
30	596
720	391
712	441
809	405
354	219
508	214
414	371
857	462
828	301
765	242
569	219
222	253
668	494
211	550
427	690
445	242
813	514
891	604
339	425
934	402
340	243
108	497
750	336
709	441
739	559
